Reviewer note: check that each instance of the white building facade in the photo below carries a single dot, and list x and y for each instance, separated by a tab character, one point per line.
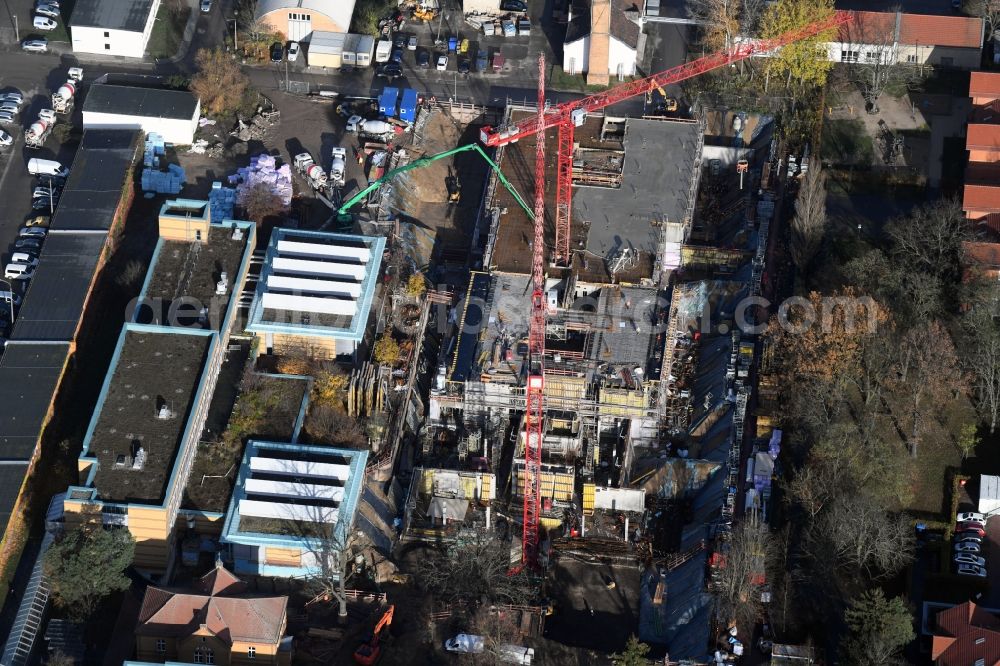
113	27
173	114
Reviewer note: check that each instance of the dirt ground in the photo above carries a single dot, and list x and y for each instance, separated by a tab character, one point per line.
422	194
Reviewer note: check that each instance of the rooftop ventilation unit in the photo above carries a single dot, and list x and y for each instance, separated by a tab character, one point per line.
222	285
237	233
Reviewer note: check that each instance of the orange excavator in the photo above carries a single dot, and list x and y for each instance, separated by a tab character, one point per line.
369	651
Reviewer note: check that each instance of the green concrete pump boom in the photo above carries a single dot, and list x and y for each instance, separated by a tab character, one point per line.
342	212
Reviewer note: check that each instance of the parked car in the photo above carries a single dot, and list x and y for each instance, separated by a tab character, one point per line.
8	297
970	527
38	221
969	538
971	570
411	43
206	6
399	41
6	139
44	191
967	547
10	107
28	244
19	271
277	52
513	6
391	70
465	644
12	96
973	516
482	61
35	46
442	62
423	59
43	23
397	55
6	117
293	51
48	3
43	204
969	558
463	66
47	12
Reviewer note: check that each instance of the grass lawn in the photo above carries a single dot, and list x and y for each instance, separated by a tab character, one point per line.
847	142
167	31
560	80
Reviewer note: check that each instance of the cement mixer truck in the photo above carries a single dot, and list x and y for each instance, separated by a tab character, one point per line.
311	171
40	129
63	99
376	129
338	166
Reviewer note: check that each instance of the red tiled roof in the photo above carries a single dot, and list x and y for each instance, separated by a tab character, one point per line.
931	30
220	581
231	618
982	137
965	634
984	84
984	198
868	28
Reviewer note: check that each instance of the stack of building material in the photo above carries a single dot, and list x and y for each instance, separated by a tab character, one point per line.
169	182
155	148
221	201
263	169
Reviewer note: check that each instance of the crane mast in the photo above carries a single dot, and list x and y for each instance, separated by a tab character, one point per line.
535	413
568	115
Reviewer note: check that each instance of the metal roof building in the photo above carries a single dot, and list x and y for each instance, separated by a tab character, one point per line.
315	291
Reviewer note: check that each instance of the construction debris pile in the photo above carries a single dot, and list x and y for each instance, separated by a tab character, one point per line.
202	147
259	125
263	169
170	181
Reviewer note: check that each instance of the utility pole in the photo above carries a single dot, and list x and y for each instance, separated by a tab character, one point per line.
286	73
17	35
236	45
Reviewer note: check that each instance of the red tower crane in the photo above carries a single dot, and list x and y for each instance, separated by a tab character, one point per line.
535	413
564	117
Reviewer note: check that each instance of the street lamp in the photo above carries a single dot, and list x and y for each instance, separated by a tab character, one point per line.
236	45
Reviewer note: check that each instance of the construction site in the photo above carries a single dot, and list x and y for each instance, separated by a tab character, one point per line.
646	375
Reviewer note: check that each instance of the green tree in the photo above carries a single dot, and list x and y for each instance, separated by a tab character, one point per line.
634	654
803	60
85	565
878	628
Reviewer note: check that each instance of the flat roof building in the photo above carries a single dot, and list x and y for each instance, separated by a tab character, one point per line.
173	114
293	505
112	27
138	450
315	292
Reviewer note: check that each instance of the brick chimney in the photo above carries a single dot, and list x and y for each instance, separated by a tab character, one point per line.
600	43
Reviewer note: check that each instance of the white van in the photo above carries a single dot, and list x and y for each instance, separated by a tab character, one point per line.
40	167
21	258
19	271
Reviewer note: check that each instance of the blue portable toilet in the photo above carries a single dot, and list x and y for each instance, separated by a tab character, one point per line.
408	105
387	101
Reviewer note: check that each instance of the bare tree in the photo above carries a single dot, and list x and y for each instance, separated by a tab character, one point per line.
929	239
988	10
475	568
743	578
719	19
929	378
982	359
809	223
863	535
874	61
751	15
259	202
328	425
